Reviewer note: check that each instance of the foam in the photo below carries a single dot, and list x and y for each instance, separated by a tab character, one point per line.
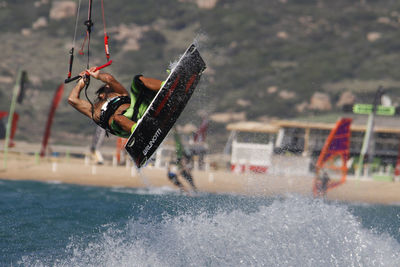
294	231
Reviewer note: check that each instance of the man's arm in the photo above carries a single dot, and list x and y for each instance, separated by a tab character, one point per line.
108	79
79	104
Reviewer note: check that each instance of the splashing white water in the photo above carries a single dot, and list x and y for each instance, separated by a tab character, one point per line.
163	190
290	232
198	41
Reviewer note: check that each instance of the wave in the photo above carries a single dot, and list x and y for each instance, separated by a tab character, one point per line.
293	231
164	190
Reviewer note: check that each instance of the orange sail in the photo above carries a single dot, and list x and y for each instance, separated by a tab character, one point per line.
121	142
331	167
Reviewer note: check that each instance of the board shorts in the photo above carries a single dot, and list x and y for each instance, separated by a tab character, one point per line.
137	88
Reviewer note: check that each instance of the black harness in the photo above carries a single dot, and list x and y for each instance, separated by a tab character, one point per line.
109	108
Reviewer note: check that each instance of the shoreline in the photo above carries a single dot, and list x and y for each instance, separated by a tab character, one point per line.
75	171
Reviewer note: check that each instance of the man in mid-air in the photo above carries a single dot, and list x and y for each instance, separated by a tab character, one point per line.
115	109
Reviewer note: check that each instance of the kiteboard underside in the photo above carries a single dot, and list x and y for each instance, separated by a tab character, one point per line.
166	107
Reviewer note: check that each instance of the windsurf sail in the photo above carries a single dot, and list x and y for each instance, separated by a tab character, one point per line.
331	168
200	135
4	114
22	78
179	147
397	167
56	100
22	85
119	153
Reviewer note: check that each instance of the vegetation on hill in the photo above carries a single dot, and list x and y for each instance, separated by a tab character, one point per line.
264	58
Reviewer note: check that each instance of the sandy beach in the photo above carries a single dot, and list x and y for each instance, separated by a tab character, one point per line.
77	171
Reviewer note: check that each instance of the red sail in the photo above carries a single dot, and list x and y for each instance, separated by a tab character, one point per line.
121	142
13	126
200	135
56	100
332	162
397	168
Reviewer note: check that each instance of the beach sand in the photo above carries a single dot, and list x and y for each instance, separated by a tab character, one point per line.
75	171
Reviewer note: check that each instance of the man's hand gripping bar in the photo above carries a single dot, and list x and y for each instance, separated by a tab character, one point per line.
68	80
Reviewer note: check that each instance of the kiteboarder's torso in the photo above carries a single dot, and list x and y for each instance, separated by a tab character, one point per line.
113	109
100	104
105	110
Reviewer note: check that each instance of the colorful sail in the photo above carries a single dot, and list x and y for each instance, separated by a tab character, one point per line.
179	148
200	135
119	153
56	100
4	114
22	86
331	167
397	168
21	76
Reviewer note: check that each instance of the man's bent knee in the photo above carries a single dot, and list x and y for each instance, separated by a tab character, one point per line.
125	123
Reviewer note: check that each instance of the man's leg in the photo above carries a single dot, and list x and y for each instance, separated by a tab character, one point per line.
151	83
123	122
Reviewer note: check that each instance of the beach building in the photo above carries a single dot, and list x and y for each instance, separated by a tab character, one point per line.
297	144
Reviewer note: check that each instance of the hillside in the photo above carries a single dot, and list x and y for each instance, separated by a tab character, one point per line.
276	58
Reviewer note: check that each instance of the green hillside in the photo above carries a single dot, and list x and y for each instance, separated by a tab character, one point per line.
298	47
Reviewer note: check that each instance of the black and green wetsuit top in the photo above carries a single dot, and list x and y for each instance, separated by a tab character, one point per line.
140	99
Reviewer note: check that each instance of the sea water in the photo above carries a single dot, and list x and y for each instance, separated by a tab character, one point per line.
52	224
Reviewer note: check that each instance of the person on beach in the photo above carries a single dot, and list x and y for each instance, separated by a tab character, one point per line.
323	183
185	170
173	177
115	109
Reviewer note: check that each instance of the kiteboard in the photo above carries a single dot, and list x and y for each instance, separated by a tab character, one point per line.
166	107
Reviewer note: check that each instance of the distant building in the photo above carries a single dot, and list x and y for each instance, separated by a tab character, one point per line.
306	139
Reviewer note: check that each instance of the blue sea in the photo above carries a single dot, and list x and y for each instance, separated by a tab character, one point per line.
50	224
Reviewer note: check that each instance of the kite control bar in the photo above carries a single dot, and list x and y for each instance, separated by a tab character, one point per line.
89	24
68	80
